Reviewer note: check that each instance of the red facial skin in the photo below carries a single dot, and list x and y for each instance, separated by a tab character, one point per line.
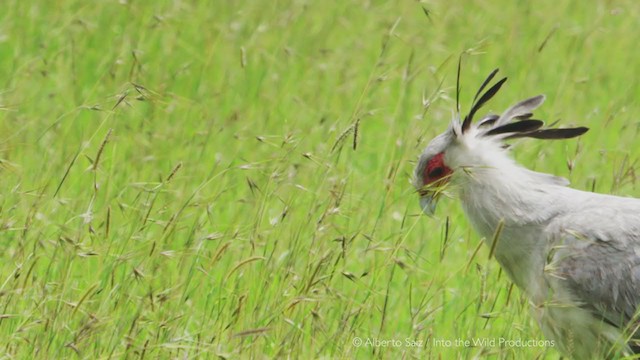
435	170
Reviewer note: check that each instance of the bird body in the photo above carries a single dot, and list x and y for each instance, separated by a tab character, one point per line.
575	254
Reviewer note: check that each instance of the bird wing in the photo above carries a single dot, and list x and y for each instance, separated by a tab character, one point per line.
598	256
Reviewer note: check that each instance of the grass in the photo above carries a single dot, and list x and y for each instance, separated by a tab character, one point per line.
225	179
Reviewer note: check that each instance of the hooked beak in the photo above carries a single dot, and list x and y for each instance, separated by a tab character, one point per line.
428	203
431	193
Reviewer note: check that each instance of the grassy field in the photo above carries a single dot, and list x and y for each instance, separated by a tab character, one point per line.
230	179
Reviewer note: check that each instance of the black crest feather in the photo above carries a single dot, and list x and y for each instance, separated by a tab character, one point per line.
518	117
523	116
552	134
483	99
524	126
488	120
485	82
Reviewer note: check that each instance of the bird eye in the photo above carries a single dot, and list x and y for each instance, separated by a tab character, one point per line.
435	170
436	173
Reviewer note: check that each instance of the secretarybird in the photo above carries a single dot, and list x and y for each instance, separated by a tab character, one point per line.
575	254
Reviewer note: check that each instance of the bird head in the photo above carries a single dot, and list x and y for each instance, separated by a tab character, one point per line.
466	144
434	172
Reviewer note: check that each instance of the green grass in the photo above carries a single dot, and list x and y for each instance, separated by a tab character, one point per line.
181	179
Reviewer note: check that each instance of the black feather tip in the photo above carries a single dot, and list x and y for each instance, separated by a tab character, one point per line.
551	134
483	99
488	120
524	126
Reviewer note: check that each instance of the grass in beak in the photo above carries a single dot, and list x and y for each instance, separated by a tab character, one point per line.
436	188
